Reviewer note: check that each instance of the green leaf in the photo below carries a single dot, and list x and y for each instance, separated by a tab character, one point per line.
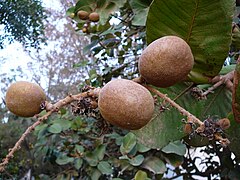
77	123
227	69
142	148
91	159
55	128
140	175
196	141
99	152
105	167
174	159
234	136
96	174
70	11
87	48
64	159
176	147
117	138
155	165
124	157
108	8
79	148
63	111
129	142
42	130
140	9
167	126
137	160
78	163
65	124
205	25
162	129
95	156
86	5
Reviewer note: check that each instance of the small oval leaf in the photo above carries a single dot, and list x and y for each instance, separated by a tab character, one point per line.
137	160
128	143
176	147
64	159
140	175
55	128
105	167
155	165
78	163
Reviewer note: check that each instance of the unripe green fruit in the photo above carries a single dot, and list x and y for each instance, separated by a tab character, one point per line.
126	104
166	61
24	98
94	17
72	15
83	15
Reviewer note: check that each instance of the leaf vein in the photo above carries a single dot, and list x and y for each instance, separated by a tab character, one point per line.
192	22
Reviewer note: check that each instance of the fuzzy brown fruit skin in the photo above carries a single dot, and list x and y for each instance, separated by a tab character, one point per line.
94	17
24	98
83	15
126	104
166	61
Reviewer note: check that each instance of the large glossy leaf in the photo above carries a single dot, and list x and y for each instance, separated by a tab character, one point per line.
205	25
167	126
233	134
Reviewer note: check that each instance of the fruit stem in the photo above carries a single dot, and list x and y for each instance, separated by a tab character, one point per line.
184	112
50	108
220	80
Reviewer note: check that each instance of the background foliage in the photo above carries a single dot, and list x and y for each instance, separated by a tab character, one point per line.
22	20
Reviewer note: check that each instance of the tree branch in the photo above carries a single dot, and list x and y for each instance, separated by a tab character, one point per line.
219	80
184	112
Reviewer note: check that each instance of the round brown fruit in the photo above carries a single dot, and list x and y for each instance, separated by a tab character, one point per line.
223	123
126	104
166	61
94	17
83	15
187	128
24	98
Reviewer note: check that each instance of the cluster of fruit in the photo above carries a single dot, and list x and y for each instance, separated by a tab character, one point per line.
165	62
124	103
84	15
88	18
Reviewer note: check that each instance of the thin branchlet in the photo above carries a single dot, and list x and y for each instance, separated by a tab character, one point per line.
184	112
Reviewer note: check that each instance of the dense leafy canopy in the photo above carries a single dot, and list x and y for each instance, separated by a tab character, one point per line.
22	21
